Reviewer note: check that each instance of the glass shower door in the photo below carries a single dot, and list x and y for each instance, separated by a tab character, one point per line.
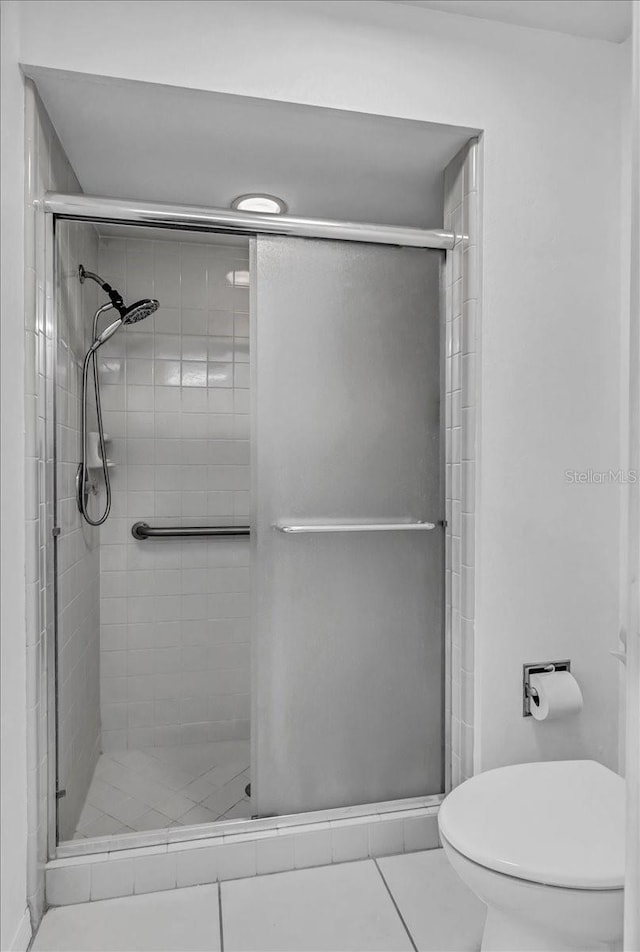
348	611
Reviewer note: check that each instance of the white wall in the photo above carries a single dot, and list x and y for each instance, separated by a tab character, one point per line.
631	603
14	929
547	551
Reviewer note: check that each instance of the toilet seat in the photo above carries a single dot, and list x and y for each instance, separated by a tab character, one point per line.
559	823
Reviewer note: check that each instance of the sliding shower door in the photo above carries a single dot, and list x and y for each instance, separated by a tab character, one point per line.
348	613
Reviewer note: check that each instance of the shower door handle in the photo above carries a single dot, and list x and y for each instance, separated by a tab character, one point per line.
356	527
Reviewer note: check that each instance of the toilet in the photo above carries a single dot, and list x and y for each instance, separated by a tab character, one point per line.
542	845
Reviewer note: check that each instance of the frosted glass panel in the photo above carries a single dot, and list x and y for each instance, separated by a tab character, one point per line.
348	666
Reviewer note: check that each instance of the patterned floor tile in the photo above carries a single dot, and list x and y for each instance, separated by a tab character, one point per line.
158	787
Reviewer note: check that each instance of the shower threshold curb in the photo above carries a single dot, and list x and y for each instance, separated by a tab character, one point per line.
242	849
206	831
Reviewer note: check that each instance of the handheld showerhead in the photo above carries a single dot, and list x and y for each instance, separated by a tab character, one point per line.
106	335
127	315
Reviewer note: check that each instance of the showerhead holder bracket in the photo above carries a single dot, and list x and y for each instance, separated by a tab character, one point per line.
90	489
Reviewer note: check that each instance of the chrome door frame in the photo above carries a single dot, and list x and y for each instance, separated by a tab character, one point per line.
80	207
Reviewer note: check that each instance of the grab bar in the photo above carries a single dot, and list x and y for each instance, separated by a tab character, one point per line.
141	531
357	527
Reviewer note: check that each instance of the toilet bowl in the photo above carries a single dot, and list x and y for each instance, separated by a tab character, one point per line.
543	846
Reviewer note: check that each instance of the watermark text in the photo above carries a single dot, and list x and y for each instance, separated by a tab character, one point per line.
601	477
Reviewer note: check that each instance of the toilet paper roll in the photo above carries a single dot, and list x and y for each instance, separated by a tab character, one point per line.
558	695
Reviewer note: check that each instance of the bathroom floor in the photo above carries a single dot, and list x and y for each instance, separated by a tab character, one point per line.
414	901
158	787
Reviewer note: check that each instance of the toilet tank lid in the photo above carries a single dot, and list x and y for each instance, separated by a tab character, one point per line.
560	823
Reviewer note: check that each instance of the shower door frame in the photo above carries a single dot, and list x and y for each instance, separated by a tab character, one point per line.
51	531
222	221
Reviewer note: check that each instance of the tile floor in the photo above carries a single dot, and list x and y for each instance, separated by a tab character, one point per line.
413	901
158	787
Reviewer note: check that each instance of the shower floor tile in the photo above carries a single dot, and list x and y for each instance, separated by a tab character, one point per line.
157	787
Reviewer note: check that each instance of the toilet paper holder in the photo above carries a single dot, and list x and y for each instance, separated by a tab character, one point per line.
528	693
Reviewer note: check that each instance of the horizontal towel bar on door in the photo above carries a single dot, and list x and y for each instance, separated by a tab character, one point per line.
141	531
357	527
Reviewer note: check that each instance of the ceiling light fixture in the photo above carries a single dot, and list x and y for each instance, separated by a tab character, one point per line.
261	203
239	279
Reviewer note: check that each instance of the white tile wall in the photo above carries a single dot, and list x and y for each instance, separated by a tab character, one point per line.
462	216
175	662
78	552
46	168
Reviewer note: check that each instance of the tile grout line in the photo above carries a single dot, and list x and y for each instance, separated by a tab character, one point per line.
220	916
137	771
395	904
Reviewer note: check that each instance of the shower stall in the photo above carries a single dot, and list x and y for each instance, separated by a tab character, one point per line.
249	521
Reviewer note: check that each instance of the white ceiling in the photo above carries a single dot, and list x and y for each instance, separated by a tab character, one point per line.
162	143
596	19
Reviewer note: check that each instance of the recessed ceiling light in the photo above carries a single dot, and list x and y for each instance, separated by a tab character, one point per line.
259	202
239	279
